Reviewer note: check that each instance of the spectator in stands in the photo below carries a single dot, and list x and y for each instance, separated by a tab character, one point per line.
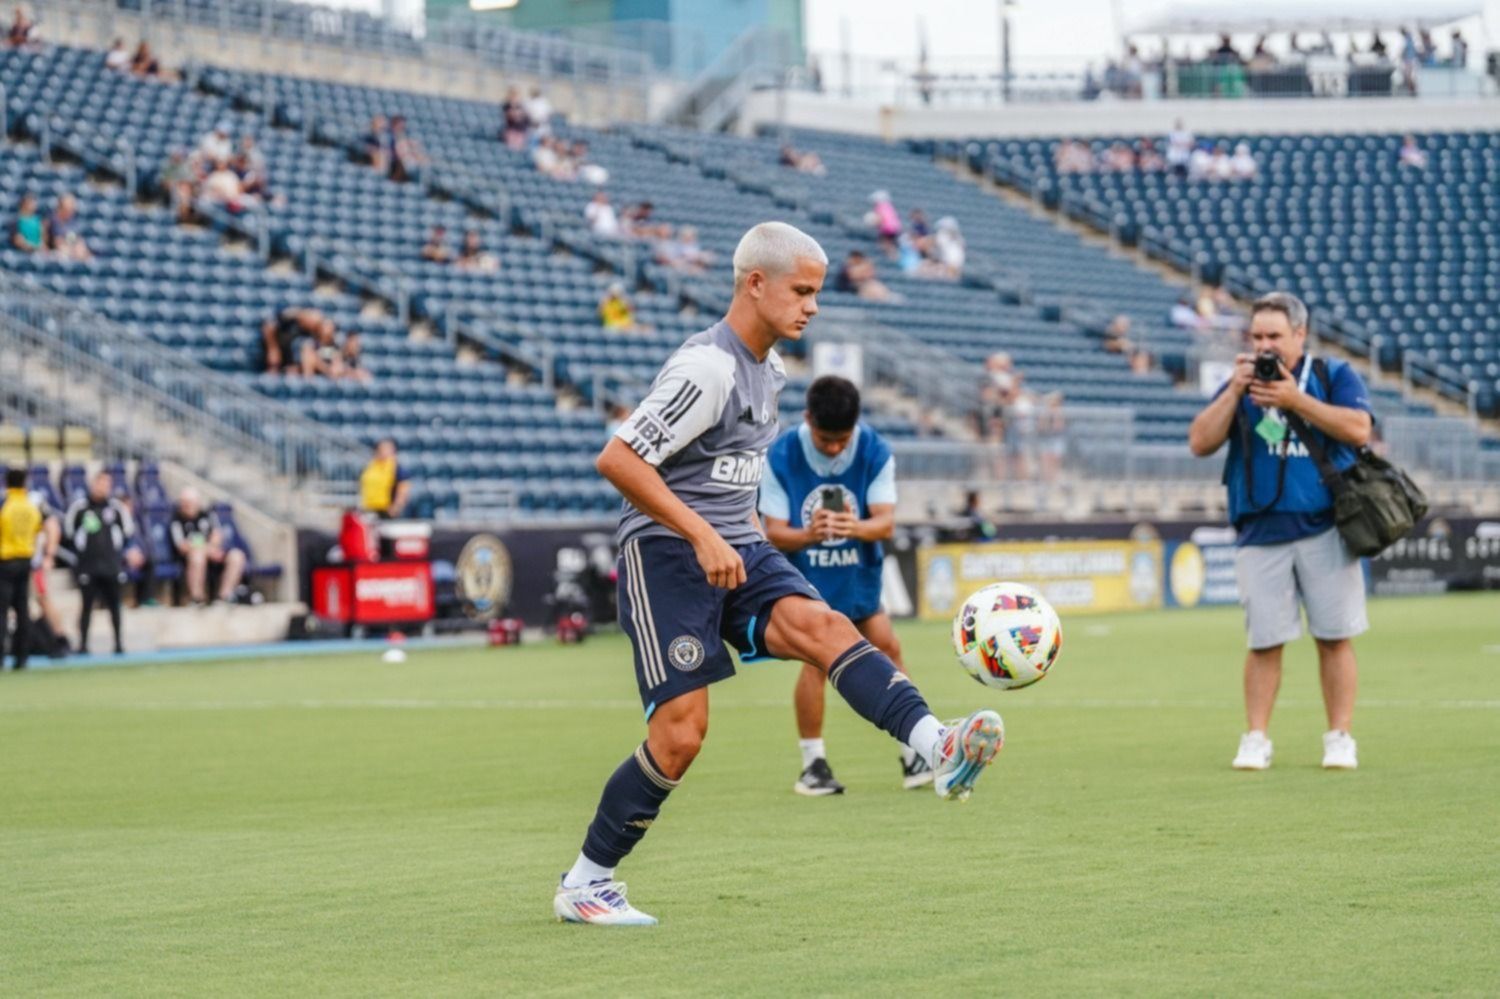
145	65
1412	155
949	252
550	159
539	111
602	219
1261	58
1458	51
63	237
384	486
331	354
1377	47
118	57
222	189
1201	163
684	253
1021	429
515	123
377	145
885	220
1073	157
1411	58
100	531
180	179
216	145
22	31
918	226
1117	335
639	223
198	544
1184	313
1052	436
615	311
1118	158
857	276
980	526
1180	146
587	171
29	231
285	336
618	414
1226	53
1426	48
802	162
436	248
20	525
1242	165
1147	159
474	257
249	164
996	392
407	155
1221	166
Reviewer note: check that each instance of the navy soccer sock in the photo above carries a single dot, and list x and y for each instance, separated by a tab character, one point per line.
632	797
879	692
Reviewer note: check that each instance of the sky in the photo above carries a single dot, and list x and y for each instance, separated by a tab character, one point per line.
1044	33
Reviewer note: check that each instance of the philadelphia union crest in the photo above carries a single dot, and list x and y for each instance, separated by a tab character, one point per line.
484	577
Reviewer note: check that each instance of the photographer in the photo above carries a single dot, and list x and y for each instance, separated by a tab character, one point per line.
1289	551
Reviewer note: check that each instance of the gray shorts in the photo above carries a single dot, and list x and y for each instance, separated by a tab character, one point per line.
1318	573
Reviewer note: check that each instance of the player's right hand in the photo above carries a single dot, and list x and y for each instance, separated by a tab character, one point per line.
721	563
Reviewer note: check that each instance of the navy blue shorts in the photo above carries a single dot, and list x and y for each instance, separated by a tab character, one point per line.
678	623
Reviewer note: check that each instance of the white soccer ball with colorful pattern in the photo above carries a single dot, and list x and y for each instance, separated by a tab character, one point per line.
1007	636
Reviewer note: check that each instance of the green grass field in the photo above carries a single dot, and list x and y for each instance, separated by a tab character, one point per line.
341	826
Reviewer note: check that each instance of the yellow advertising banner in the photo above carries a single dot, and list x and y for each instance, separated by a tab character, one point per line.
1075	576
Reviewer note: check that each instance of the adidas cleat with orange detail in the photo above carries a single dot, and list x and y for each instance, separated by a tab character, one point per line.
602	903
965	750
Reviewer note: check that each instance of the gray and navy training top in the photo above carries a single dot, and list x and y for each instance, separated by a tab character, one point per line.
706	425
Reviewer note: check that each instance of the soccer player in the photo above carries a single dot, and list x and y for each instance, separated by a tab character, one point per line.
696	571
829	500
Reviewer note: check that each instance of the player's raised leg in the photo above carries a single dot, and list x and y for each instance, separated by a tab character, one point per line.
878	630
805	629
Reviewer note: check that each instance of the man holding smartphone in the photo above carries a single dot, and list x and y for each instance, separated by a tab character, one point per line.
828	500
1290	556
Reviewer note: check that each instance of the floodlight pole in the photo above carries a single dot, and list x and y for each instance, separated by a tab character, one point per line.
1005	50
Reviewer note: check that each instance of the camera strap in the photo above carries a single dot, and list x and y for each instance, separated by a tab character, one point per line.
1280	442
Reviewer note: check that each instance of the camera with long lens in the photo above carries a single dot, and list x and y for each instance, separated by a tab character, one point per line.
1268	366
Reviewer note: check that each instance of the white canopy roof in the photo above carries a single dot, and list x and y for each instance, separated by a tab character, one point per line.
1281	16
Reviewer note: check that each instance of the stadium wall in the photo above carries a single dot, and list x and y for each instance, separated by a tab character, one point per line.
797	109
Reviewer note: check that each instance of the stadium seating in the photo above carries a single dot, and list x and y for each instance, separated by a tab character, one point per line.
1408	254
476	434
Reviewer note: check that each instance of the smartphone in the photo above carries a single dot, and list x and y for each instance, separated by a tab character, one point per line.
833	499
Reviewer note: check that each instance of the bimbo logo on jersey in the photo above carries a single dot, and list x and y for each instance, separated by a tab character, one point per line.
743	469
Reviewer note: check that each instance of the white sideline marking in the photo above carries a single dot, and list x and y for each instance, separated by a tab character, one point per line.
1493	650
415	704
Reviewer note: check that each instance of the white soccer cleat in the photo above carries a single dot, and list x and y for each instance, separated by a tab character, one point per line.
602	903
1339	751
1255	752
966	748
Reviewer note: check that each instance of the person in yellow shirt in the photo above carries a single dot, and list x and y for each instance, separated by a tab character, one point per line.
615	311
384	486
20	523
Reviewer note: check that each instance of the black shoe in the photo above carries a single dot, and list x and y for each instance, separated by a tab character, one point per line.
817	780
916	773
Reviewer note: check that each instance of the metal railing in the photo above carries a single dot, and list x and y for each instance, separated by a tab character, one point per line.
150	400
920	369
710	100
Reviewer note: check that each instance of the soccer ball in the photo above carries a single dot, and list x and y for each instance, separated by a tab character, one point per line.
1007	636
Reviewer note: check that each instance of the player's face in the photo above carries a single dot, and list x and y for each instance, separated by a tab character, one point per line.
787	302
1272	331
828	443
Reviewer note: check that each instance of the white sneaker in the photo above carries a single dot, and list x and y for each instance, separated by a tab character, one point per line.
1338	751
967	747
1255	752
601	903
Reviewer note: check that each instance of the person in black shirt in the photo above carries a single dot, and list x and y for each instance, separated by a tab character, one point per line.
285	336
99	528
199	545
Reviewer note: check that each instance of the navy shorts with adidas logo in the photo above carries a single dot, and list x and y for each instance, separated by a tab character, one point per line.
678	623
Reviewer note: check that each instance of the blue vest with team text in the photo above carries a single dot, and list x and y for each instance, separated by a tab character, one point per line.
846	572
1303	491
